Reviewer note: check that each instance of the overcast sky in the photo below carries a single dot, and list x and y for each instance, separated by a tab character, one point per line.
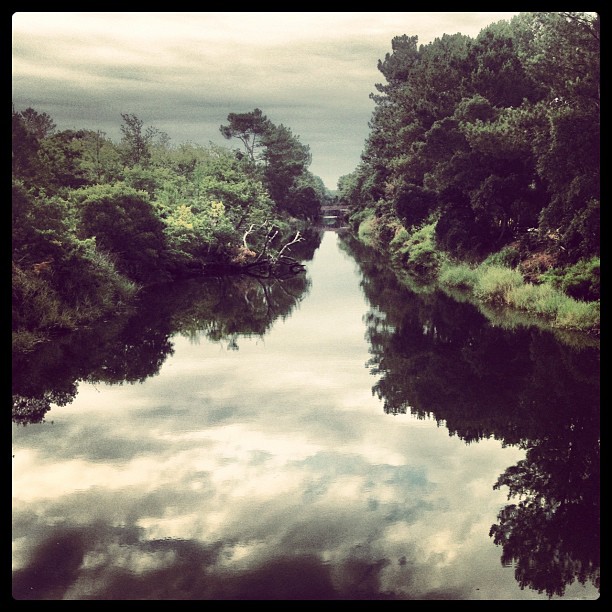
184	72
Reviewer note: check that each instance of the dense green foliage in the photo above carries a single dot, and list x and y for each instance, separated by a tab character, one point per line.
282	163
494	141
94	220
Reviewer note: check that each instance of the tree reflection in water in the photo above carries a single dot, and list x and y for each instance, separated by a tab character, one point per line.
439	359
133	347
432	357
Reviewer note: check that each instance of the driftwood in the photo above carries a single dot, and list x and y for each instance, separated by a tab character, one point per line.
266	264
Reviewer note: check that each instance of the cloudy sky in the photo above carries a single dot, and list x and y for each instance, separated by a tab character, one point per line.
184	72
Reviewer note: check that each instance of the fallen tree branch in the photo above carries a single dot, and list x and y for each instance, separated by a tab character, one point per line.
266	264
296	238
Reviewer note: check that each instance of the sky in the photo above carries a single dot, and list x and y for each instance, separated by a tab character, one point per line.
184	72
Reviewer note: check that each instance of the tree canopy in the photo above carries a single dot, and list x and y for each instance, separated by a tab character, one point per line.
279	159
94	220
488	138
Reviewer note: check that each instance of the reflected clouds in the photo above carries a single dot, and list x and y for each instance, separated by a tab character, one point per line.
258	474
260	492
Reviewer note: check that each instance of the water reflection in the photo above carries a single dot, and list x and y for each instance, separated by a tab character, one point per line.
436	358
273	472
133	348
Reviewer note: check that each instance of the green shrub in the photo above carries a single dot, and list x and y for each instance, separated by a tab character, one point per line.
35	304
76	289
423	256
126	225
367	229
416	251
580	281
509	256
357	218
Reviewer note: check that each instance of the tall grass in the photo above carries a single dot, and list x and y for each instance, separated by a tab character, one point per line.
500	285
496	283
461	276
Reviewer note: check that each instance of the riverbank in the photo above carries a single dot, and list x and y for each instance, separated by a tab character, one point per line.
492	285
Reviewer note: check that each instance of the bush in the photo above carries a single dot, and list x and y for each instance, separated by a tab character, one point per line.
35	304
89	282
76	289
509	256
580	281
125	225
357	218
416	251
367	229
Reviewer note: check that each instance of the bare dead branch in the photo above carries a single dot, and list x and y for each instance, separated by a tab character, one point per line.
244	238
269	238
296	238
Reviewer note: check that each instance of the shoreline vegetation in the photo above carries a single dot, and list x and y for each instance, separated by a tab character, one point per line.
500	291
94	221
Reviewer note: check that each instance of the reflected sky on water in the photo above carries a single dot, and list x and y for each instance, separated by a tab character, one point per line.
259	467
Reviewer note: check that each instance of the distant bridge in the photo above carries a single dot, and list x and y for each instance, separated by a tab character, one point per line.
334	217
331	211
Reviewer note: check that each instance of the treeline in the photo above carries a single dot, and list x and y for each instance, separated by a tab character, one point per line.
94	220
487	150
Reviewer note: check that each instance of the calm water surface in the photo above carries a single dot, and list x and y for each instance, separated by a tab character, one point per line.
334	436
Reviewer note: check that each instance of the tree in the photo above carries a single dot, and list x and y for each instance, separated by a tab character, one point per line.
496	71
562	51
25	147
134	141
61	158
40	125
304	203
413	204
125	226
285	159
101	158
249	128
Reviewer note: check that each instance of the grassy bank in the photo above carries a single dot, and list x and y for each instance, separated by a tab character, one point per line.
491	283
502	286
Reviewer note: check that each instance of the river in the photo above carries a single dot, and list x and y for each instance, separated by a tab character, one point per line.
332	436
